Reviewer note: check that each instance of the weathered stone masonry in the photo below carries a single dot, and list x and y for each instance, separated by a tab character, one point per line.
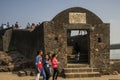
52	37
99	39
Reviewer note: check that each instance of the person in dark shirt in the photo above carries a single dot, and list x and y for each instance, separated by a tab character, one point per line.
16	25
8	25
46	65
1	27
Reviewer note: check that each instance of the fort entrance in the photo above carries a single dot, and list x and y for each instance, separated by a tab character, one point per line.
76	34
79	40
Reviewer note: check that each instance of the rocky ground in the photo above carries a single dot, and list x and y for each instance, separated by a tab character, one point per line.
14	76
14	60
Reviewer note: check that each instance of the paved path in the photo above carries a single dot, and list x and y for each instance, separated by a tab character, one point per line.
13	76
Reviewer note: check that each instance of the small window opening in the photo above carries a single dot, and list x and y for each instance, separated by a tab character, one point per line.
99	40
56	38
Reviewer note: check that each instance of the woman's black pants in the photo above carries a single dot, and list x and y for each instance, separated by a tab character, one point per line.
55	73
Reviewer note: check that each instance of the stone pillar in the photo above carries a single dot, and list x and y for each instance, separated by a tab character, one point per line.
100	46
55	41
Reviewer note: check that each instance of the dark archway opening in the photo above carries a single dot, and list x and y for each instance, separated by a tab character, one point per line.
79	40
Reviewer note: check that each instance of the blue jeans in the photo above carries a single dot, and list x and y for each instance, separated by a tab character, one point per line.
41	71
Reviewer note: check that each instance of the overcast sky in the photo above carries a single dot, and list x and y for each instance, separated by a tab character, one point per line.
25	11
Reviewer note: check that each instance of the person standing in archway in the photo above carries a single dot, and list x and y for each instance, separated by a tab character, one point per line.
77	52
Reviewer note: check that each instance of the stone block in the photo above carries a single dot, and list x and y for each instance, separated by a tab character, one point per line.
33	73
21	73
27	72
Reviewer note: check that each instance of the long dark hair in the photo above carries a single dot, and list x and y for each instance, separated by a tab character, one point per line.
46	55
53	55
38	52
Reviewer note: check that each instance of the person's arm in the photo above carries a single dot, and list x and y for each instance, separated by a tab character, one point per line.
36	61
58	62
43	62
50	62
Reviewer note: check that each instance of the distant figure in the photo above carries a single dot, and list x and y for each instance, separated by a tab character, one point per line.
39	23
28	25
1	27
8	25
33	26
78	57
13	26
4	26
55	64
77	51
16	25
39	65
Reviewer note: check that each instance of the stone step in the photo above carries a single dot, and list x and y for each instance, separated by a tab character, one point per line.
73	56
81	57
71	61
77	65
80	61
82	75
83	60
21	73
77	70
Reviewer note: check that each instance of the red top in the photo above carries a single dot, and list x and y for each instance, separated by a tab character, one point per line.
54	63
40	64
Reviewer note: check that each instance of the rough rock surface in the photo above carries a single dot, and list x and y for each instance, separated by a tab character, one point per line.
13	61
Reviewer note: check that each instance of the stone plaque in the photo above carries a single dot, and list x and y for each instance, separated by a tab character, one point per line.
75	17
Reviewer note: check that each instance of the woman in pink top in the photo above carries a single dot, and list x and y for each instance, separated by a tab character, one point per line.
55	66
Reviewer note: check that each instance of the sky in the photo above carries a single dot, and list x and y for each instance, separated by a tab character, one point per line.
35	11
